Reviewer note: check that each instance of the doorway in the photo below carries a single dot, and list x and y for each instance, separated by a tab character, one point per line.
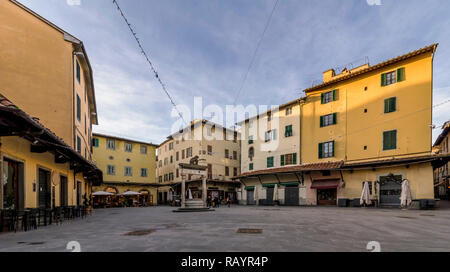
44	190
79	194
63	192
326	197
13	185
390	190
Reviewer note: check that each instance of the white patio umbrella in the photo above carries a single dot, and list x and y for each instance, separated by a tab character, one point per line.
102	193
405	197
130	193
365	196
275	193
190	194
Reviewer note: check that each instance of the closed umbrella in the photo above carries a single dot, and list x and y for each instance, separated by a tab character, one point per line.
365	196
275	193
405	197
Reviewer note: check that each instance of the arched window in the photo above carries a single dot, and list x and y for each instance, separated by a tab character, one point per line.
251	153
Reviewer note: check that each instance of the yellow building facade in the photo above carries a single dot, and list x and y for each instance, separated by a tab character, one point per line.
370	124
377	120
48	78
127	165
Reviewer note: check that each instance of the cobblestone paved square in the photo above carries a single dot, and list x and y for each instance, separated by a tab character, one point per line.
284	229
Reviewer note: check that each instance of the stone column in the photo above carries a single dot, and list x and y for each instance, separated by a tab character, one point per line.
204	192
183	191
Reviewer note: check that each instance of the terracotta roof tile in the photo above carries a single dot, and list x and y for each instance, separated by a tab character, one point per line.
430	48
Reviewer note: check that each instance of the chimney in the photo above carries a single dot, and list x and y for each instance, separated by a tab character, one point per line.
328	75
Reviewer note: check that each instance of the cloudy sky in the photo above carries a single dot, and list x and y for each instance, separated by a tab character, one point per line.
204	47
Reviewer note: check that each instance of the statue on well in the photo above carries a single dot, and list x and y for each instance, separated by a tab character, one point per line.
194	160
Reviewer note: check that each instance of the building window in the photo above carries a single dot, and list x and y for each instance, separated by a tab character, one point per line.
326	150
182	154
128	147
390	105
271	135
251	153
128	171
178	172
111	144
227	154
234	155
288	131
390	140
328	120
210	150
393	77
270	162
85	124
235	171
160	164
329	97
250	167
79	144
250	139
289	159
171	159
143	149
288	111
78	108
160	179
170	146
95	142
189	152
78	71
177	156
144	172
227	171
111	170
166	161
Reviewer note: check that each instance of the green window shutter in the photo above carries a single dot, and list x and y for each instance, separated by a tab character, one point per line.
322	98
321	121
295	158
383	80
385	140
96	142
394	139
332	154
320	151
335	95
250	167
334	118
393	104
400	74
266	136
282	160
386	106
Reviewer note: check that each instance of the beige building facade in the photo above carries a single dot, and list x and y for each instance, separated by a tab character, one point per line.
219	152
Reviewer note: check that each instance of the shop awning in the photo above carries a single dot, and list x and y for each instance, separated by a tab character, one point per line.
271	185
325	184
289	184
250	188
